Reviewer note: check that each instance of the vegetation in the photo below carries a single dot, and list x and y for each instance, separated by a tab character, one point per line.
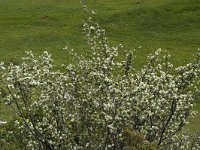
88	106
49	25
52	120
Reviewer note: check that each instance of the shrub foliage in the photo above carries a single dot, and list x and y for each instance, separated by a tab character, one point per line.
100	102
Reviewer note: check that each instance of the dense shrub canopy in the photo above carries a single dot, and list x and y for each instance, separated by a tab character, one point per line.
93	103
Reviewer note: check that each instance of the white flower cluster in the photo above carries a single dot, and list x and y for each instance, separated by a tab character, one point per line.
88	106
184	142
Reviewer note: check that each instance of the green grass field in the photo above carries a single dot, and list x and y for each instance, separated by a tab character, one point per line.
49	25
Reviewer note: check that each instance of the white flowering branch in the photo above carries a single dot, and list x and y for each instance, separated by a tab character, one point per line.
88	106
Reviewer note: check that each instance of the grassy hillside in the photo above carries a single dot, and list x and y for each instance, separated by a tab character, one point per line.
51	24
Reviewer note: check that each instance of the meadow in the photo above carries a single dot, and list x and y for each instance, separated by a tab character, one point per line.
50	25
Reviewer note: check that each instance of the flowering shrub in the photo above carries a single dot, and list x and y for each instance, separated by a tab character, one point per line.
92	103
185	142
